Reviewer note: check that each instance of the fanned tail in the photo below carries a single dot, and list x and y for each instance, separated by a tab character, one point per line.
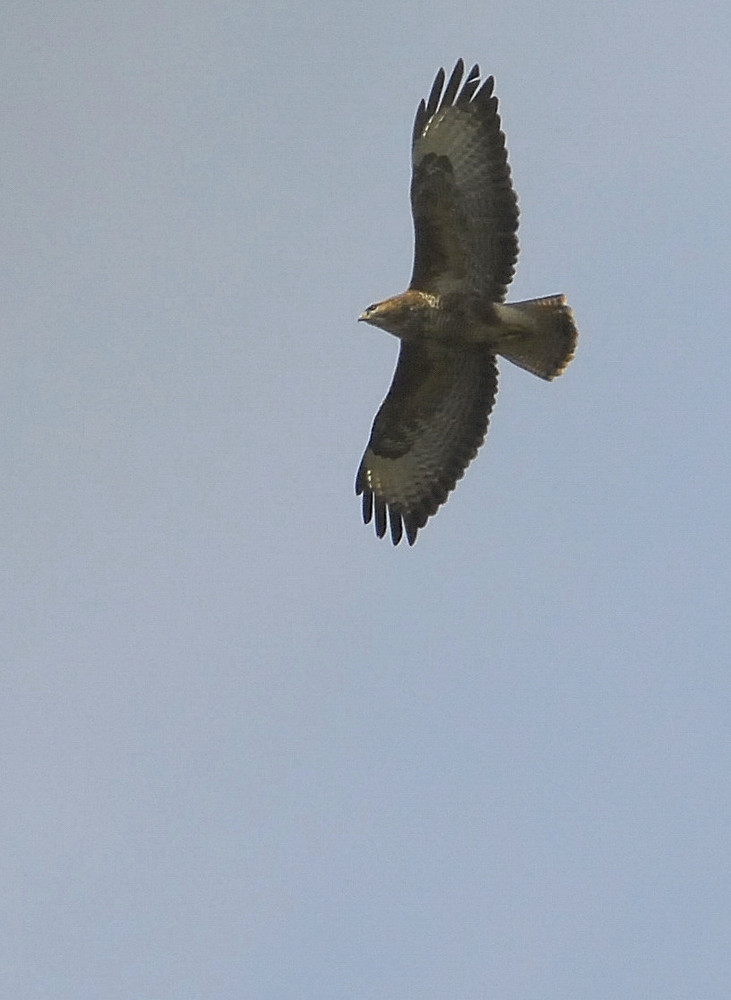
540	335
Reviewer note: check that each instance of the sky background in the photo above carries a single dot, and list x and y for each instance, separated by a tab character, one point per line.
246	749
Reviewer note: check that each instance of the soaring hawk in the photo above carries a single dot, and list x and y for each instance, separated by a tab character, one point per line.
452	320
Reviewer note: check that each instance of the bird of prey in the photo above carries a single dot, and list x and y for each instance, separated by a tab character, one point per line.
452	320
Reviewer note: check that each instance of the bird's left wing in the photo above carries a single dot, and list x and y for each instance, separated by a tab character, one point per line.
426	433
462	199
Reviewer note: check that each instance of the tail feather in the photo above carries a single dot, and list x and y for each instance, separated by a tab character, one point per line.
540	335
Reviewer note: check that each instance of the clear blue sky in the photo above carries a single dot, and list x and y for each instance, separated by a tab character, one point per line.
246	749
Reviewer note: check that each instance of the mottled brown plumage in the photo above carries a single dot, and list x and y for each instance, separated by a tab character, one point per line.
452	320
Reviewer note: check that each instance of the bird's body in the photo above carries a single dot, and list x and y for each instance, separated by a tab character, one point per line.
452	320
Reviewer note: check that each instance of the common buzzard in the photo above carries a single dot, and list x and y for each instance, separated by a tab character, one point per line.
452	320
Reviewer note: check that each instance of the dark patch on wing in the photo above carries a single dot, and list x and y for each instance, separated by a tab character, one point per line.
410	398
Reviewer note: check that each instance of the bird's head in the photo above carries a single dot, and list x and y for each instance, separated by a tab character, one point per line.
398	315
377	314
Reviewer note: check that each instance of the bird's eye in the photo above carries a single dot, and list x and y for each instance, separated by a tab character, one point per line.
372	308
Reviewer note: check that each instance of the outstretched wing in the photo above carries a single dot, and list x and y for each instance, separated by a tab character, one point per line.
464	207
427	431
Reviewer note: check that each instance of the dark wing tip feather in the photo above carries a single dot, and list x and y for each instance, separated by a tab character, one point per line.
429	107
486	89
453	86
470	86
433	100
419	121
396	525
367	506
412	529
380	508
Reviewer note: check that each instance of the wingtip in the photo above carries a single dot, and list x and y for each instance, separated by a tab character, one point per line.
396	525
